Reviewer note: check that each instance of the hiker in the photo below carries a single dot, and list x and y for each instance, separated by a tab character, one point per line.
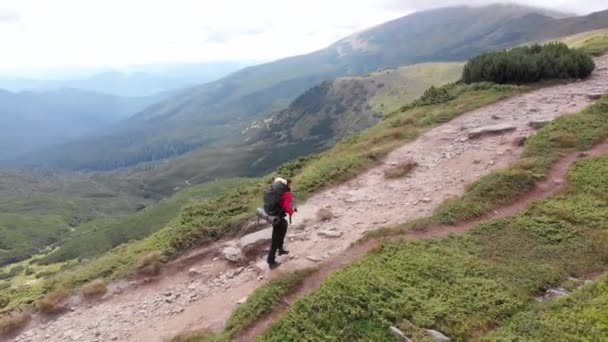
278	203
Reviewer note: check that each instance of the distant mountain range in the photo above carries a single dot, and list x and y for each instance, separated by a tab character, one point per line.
34	120
217	112
136	81
312	122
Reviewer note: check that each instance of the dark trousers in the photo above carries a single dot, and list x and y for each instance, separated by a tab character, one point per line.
279	231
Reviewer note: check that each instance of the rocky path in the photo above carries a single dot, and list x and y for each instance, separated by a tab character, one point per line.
553	184
449	157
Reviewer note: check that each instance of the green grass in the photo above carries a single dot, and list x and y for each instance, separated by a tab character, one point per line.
101	235
579	317
465	286
261	302
210	219
592	42
407	83
213	218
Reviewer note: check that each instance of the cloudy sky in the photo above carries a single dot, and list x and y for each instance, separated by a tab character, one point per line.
82	33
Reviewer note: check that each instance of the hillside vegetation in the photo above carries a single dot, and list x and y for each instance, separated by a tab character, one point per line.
465	286
34	120
215	217
529	64
218	111
37	211
594	42
94	237
313	122
76	213
226	213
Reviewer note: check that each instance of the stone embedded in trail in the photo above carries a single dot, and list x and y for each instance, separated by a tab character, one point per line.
330	234
232	253
253	240
261	266
520	141
437	336
314	258
539	123
194	272
398	334
242	300
490	130
595	96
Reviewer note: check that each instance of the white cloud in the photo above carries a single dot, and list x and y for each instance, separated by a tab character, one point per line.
94	32
568	6
76	33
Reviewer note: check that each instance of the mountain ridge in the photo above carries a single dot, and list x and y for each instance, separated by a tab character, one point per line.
32	120
215	113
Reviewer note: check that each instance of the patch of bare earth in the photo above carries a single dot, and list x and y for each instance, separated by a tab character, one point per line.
201	290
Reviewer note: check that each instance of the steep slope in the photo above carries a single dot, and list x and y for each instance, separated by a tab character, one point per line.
33	120
335	109
218	111
202	296
312	122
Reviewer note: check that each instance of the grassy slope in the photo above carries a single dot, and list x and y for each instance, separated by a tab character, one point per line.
37	211
207	220
203	221
594	42
466	285
581	131
581	316
101	235
52	207
313	122
261	302
409	82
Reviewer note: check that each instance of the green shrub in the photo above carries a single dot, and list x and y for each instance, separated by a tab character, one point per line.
51	300
529	64
149	264
94	289
13	322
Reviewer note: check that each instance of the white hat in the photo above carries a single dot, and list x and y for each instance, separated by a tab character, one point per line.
281	180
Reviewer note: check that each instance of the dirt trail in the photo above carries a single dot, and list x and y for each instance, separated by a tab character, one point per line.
553	184
447	160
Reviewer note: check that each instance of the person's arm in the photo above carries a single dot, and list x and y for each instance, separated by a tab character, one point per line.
286	203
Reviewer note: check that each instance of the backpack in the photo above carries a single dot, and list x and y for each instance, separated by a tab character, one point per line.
272	199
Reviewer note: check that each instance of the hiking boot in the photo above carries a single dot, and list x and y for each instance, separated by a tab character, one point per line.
274	265
283	252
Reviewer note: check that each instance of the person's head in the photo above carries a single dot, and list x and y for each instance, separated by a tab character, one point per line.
284	181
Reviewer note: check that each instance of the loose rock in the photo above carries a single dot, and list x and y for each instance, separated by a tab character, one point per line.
539	123
437	336
519	141
232	253
256	239
330	234
314	258
490	130
398	334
